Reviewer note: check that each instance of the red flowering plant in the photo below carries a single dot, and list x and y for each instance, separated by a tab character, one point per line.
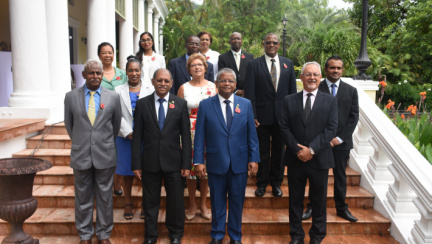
153	58
171	105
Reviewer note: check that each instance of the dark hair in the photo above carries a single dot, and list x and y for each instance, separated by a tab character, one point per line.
140	53
103	44
334	57
204	33
132	59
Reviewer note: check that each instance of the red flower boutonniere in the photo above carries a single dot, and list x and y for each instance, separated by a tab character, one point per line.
237	109
194	111
243	56
171	105
285	66
208	92
207	57
153	58
118	78
102	106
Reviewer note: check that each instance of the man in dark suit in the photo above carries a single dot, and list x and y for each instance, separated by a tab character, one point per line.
92	119
161	120
178	69
268	80
237	60
225	130
348	115
308	124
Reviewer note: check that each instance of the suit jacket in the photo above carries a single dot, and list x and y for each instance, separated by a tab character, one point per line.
127	120
237	146
178	70
316	133
227	60
348	113
154	150
266	102
92	145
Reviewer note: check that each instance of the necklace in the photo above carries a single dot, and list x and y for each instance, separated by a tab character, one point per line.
110	71
135	86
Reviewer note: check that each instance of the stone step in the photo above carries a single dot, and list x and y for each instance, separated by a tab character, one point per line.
58	157
63	175
61	221
53	141
246	239
59	196
57	129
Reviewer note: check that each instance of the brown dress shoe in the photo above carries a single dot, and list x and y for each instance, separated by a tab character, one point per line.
85	242
105	241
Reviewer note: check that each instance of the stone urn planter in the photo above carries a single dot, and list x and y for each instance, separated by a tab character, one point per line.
16	199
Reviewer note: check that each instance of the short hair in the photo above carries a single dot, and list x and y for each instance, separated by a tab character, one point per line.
89	62
271	34
334	57
235	32
204	33
161	69
187	38
132	59
225	71
311	63
194	57
103	44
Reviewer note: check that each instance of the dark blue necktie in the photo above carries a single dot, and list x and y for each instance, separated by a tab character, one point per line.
161	114
229	115
333	86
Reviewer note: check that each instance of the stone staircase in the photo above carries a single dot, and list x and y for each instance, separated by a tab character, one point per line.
265	220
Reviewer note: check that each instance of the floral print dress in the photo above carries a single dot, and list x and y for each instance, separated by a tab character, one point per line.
194	95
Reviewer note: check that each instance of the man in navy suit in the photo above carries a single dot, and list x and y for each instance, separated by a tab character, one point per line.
237	60
177	66
268	80
308	123
225	130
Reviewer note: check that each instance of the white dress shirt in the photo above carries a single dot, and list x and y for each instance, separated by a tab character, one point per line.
329	83
164	104
238	56
314	93
269	64
223	105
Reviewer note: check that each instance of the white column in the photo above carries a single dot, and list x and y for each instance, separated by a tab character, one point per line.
58	49
111	25
150	7
31	70
96	26
156	31
161	25
126	35
141	24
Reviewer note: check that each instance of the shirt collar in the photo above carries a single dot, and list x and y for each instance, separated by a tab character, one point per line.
314	93
86	90
234	52
187	56
268	58
222	99
156	97
329	83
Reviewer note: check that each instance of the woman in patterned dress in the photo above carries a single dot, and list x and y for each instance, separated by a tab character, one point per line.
194	92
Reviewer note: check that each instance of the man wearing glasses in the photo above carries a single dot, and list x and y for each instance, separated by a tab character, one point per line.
268	80
177	66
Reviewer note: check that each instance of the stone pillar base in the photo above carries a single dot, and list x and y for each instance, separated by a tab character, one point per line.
52	115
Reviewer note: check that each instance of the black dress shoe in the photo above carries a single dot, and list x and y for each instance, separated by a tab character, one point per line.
307	214
277	192
118	193
175	241
259	192
294	241
235	242
149	242
215	241
314	241
346	215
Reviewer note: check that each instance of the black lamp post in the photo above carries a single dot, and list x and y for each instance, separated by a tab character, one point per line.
363	62
284	22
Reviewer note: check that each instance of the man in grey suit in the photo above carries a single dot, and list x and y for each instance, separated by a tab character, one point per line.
92	119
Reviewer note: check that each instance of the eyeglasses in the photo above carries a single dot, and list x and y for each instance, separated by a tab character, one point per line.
274	43
308	75
94	73
193	44
146	40
197	65
226	81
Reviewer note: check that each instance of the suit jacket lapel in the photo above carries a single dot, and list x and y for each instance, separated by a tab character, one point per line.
299	101
266	70
218	110
82	104
102	100
169	112
235	117
340	90
316	104
232	61
151	104
183	67
126	98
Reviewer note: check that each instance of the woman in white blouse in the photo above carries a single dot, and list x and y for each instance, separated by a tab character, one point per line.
150	62
206	40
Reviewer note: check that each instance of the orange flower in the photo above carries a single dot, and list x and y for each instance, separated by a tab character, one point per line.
422	93
383	84
413	109
402	116
390	104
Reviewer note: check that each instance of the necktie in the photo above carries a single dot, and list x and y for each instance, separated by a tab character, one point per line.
273	72
161	113
229	115
91	111
237	60
308	107
333	86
